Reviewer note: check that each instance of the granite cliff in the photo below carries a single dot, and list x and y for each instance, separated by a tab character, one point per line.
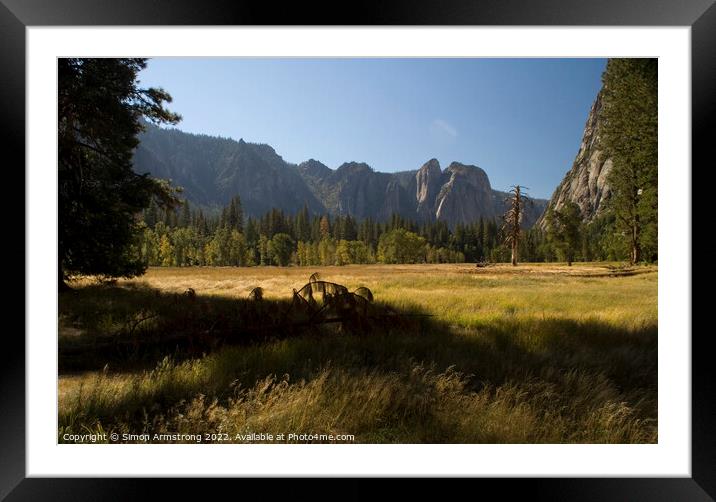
586	182
213	170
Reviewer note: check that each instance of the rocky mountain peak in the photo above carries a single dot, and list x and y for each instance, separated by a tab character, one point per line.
432	166
354	168
466	196
213	170
471	174
428	183
314	168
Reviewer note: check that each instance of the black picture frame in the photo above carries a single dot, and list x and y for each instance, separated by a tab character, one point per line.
16	15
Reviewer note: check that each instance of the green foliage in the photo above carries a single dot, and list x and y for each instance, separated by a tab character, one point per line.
210	241
100	113
359	252
166	251
601	241
564	230
500	254
232	215
401	246
533	246
443	255
327	251
280	248
343	254
630	138
227	247
150	247
265	256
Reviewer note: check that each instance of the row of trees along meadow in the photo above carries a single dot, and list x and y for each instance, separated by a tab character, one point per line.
188	237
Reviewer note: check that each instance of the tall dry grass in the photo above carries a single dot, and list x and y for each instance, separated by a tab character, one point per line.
534	354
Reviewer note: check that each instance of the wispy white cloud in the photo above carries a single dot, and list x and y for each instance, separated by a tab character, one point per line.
444	127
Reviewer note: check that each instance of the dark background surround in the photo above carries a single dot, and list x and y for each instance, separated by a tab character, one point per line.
16	15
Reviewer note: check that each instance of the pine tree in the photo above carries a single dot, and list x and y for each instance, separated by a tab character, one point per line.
151	215
630	136
201	225
100	113
480	239
224	218
233	215
563	229
185	218
325	227
350	233
302	225
239	215
166	251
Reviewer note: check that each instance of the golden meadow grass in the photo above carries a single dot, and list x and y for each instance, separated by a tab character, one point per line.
536	353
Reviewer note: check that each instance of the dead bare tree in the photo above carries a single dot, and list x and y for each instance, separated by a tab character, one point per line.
513	219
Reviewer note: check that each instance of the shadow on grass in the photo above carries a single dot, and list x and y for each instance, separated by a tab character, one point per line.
241	342
135	326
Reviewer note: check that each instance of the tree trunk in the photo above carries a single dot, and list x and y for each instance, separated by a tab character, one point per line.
514	255
635	247
635	253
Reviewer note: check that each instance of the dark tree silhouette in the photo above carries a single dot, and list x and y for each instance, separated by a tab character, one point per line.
100	112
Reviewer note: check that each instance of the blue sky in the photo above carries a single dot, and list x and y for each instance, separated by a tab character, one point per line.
521	120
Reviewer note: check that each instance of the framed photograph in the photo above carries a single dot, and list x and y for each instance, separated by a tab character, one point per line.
437	240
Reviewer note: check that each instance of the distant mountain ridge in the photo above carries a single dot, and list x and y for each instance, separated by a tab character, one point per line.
212	170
